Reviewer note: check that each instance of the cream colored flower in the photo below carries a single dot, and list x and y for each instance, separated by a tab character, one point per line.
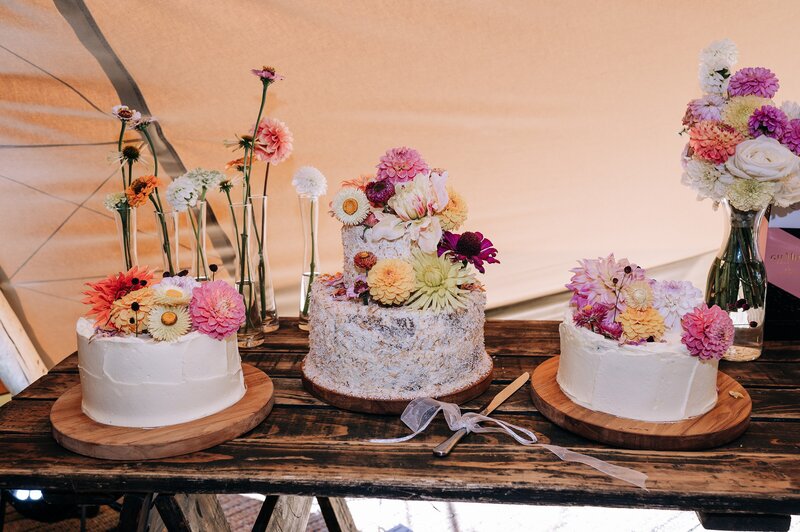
440	282
638	294
738	111
171	295
455	213
168	323
391	281
125	318
763	159
751	195
350	206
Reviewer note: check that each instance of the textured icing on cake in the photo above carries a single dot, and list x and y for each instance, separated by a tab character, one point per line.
657	382
133	381
357	238
394	353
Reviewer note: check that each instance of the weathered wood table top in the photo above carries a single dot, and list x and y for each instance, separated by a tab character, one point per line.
308	448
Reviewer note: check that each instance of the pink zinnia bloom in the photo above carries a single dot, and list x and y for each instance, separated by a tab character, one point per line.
791	137
593	280
267	74
272	141
707	332
714	141
758	81
217	309
400	165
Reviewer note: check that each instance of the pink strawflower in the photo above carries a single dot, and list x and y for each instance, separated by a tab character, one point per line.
217	309
768	121
714	141
758	81
400	165
593	281
267	74
272	142
791	136
709	107
707	332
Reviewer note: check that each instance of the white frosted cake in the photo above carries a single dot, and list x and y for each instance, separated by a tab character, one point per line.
638	348
159	354
405	318
139	382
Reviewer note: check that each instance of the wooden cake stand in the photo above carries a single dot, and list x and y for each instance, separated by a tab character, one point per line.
77	432
390	406
725	422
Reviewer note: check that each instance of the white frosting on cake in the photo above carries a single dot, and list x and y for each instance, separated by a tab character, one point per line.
394	353
131	381
356	239
657	382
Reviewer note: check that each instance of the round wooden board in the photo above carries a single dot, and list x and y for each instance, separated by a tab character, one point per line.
725	422
77	432
390	407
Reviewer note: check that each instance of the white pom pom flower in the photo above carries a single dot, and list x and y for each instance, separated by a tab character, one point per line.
308	181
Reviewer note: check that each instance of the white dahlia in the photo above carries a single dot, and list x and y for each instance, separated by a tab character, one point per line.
708	180
308	181
350	206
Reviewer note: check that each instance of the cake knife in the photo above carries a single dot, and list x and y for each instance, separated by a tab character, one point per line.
444	448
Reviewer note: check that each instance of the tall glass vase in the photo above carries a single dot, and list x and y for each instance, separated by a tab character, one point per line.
309	214
737	282
246	280
266	292
125	219
168	229
197	222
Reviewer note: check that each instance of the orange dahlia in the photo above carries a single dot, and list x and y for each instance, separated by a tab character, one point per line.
140	189
102	294
129	313
714	141
391	281
640	325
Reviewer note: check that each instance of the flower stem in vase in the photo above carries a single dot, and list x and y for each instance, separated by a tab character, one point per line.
310	224
250	334
126	232
268	309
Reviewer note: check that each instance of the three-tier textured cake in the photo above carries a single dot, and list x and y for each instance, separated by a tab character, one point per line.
405	317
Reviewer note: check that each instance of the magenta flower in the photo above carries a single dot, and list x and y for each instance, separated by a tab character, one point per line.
599	280
217	309
709	107
591	316
611	329
768	121
401	165
272	142
758	81
791	136
468	247
267	74
379	192
707	332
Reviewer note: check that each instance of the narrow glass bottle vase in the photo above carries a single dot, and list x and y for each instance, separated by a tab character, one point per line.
246	278
168	229
125	218
309	214
266	291
197	222
737	282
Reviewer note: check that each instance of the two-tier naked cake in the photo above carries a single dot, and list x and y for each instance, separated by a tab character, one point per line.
639	348
159	354
405	317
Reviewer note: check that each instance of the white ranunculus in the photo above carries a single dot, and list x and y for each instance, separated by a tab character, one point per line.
763	159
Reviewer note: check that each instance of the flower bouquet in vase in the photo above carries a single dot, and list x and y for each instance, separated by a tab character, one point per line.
743	154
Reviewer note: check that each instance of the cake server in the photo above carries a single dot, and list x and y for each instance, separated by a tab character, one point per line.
444	448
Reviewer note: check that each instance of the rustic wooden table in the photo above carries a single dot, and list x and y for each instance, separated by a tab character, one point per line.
308	448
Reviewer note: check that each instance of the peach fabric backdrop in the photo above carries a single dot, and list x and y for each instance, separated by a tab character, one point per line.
557	121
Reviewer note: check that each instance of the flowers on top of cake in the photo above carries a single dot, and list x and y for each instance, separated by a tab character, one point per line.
129	303
742	146
616	299
406	198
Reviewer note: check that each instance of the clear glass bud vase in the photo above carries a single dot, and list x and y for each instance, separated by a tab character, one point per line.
197	222
737	282
266	291
309	214
125	218
168	229
246	278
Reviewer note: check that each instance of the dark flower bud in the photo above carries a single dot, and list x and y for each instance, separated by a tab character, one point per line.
166	274
615	280
183	273
651	339
628	269
132	321
142	282
741	303
745	307
213	268
754	324
135	280
135	306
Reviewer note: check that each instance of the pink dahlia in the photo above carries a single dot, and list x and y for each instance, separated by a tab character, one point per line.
400	165
469	247
768	121
217	309
709	107
758	81
707	332
599	281
273	141
791	136
714	141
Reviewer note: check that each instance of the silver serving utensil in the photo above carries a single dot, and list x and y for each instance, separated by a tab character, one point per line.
444	448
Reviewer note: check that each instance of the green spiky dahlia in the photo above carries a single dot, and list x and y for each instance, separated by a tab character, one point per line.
439	282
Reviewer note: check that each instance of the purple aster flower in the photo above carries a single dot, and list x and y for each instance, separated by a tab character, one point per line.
379	192
768	121
791	136
469	247
758	81
709	107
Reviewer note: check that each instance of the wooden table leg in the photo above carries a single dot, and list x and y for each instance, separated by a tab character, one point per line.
2	509
755	522
183	513
265	513
336	514
284	513
135	512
